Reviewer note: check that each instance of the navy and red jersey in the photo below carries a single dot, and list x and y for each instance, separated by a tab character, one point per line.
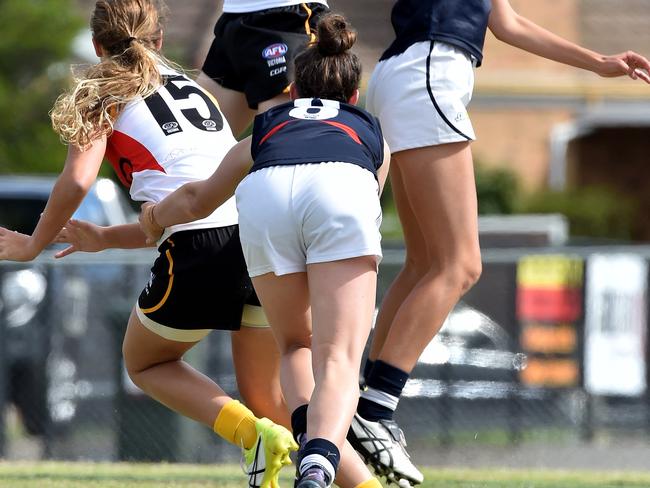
311	130
461	23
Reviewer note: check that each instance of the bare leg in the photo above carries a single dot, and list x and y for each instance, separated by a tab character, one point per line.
436	195
257	368
286	303
416	264
343	299
286	299
156	366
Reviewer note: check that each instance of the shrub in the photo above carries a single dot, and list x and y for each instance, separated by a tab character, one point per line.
592	211
496	190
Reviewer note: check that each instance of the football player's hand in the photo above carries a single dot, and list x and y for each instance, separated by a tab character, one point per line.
82	236
15	246
628	63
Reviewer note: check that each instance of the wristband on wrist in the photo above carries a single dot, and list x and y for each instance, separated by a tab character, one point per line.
152	220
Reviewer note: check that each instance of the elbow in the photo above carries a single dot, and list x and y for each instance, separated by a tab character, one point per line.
75	188
78	179
507	28
498	34
502	33
197	208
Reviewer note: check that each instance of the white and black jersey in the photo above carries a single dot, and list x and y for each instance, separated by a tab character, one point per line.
175	136
199	281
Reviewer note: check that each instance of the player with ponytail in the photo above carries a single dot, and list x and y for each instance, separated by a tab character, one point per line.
308	197
160	130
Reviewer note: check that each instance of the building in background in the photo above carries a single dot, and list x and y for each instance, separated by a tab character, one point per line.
552	125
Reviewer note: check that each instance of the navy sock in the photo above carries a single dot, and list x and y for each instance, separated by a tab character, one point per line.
320	452
384	387
299	422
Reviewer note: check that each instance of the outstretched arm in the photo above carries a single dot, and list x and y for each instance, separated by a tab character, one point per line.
72	185
511	28
198	199
88	237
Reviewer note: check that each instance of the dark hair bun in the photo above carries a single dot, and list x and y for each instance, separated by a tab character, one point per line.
335	35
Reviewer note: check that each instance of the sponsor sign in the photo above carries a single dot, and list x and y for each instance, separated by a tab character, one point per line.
615	325
549	288
549	306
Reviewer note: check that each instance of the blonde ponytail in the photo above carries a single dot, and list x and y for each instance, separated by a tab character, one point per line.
129	33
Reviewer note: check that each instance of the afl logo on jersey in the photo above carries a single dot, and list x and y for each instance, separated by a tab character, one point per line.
170	127
209	124
275	51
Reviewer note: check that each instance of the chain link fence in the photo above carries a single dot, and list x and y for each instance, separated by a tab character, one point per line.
65	394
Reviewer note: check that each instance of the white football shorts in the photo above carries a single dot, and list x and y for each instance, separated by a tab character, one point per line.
421	95
291	216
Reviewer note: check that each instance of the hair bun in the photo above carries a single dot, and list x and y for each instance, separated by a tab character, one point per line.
335	36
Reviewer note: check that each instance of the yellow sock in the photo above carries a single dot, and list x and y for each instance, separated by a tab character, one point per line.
236	424
370	483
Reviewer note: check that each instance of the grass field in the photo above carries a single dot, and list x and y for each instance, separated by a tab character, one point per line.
78	475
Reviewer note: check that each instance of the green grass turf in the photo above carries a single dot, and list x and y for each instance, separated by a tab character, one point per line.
77	475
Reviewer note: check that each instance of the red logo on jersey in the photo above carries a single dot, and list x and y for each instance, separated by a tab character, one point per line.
128	156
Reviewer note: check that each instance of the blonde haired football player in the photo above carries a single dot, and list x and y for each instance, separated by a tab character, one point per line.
160	130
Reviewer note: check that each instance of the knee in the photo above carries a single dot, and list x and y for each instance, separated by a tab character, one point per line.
328	359
467	273
416	266
133	365
290	345
130	365
462	274
264	398
472	269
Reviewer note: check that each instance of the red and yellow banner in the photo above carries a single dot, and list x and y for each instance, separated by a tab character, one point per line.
549	288
549	304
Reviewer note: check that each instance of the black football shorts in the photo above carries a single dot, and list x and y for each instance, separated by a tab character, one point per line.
253	52
198	282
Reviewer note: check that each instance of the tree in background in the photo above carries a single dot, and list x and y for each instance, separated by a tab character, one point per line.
497	190
35	45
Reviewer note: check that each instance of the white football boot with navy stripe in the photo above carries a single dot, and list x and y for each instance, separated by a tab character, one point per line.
382	446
